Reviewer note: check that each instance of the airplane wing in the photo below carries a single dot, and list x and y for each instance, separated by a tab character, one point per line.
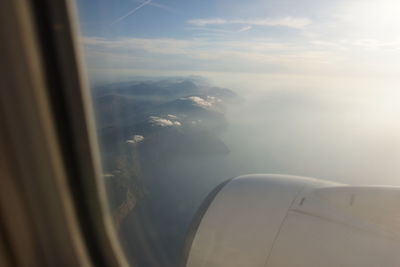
279	220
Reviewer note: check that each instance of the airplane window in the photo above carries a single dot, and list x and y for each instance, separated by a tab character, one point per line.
189	94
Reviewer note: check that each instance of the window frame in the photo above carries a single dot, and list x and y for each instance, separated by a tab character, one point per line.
54	208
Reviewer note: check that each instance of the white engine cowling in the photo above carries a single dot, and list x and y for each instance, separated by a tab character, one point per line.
279	220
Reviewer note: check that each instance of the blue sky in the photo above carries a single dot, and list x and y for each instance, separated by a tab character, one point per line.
170	18
278	36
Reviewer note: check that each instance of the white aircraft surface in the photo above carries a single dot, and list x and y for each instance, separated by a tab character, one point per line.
279	220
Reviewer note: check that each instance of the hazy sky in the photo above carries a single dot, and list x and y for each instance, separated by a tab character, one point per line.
321	79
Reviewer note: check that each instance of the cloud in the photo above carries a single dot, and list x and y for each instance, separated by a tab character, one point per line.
245	28
135	139
289	22
172	116
112	57
198	101
206	102
205	22
108	58
159	45
157	121
360	44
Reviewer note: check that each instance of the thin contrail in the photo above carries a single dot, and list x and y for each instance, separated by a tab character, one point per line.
131	12
164	7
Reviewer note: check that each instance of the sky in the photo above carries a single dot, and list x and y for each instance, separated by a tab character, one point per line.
320	78
279	36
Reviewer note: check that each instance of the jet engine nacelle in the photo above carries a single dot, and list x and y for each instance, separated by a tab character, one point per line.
279	220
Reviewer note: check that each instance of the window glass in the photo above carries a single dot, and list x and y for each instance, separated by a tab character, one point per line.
188	94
